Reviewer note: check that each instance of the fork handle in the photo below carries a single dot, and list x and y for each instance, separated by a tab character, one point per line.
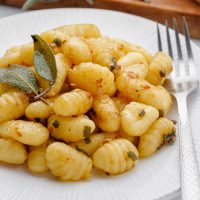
190	179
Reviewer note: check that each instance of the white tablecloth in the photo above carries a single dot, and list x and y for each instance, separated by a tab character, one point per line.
7	11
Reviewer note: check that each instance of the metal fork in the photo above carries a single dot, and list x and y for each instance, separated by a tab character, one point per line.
181	83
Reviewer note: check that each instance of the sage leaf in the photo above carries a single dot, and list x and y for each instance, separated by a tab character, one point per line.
44	60
20	77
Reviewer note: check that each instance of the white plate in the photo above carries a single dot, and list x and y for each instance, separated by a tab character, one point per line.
153	178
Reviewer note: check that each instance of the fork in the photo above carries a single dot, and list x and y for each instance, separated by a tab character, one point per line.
181	83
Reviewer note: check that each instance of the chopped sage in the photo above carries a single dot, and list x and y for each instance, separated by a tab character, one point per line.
162	73
132	155
82	150
87	131
170	138
114	63
58	42
55	124
20	77
87	140
142	113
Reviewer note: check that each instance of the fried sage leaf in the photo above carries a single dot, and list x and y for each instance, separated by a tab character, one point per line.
20	77
44	60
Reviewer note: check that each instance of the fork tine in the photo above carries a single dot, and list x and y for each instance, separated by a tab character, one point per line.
169	41
187	38
159	39
180	56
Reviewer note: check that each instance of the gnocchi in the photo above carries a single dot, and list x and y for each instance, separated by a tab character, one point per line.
15	103
162	131
159	68
36	157
116	156
38	111
93	78
97	140
12	151
73	103
70	129
103	105
136	118
30	133
66	163
105	114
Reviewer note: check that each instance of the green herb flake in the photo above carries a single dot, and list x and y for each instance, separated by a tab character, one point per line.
132	155
174	121
142	113
114	64
55	124
87	140
87	131
82	150
170	138
162	73
58	42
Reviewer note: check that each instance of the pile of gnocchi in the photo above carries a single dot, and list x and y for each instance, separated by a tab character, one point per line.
107	108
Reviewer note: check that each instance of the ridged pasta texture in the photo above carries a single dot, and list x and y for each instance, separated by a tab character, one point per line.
116	156
73	103
66	163
13	105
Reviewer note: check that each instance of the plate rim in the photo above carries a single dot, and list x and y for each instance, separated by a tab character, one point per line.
173	194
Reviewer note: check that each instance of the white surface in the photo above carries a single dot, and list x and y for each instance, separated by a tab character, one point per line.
153	177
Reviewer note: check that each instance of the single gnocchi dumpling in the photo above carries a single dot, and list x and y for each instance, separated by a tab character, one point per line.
143	51
136	118
13	105
104	51
132	58
161	132
12	56
93	78
157	97
38	111
73	103
116	156
80	30
140	70
36	157
70	129
66	163
12	151
30	133
26	53
63	65
52	36
105	114
77	50
96	141
130	86
159	68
